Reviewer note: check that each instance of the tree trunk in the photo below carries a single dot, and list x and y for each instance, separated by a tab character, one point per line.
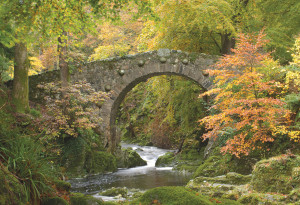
63	64
64	68
227	43
20	83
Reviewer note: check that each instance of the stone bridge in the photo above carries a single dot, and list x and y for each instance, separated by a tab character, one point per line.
119	75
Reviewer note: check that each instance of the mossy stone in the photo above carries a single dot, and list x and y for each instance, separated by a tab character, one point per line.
251	199
178	196
100	162
81	199
74	154
62	185
231	178
276	174
115	192
236	178
213	166
172	196
218	164
129	158
166	160
53	201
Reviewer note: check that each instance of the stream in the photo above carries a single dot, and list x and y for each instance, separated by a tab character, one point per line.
142	177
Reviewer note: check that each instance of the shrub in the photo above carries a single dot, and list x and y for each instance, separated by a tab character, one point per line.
26	160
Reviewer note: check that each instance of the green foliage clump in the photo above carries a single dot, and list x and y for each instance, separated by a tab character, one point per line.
277	174
35	113
11	190
25	158
294	195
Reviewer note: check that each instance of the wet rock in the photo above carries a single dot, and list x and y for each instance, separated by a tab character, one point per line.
128	158
167	160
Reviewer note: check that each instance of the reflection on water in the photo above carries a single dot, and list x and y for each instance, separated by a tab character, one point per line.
143	177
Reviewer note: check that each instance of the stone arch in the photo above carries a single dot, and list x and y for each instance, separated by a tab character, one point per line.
120	75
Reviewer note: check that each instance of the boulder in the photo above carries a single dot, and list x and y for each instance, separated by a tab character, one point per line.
128	158
166	160
277	174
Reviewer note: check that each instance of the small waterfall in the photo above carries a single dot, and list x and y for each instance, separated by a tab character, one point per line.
143	177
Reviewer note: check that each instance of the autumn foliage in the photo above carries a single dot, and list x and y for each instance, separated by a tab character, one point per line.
79	109
248	111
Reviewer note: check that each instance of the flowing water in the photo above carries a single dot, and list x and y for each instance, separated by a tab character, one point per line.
142	178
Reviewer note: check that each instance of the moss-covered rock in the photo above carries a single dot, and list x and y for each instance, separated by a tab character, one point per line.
81	199
128	158
230	178
218	164
250	199
166	160
74	154
171	195
11	190
261	198
62	185
188	160
277	174
236	178
100	162
123	191
177	196
53	201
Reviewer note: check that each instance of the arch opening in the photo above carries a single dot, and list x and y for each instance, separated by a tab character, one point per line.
183	96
